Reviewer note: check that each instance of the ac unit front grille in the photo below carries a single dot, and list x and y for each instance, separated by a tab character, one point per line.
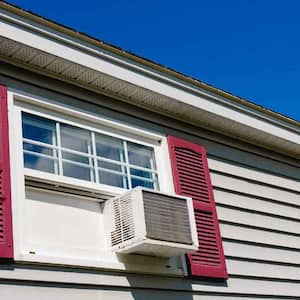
123	217
166	218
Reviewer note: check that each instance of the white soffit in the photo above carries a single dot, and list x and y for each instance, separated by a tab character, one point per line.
51	54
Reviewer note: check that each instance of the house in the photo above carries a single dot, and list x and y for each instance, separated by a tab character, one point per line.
83	123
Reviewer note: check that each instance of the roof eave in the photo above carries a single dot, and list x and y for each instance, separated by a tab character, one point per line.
137	59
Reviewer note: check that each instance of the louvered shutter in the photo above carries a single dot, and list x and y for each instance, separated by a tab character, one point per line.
191	178
6	239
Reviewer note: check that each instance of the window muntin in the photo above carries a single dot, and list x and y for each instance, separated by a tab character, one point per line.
58	148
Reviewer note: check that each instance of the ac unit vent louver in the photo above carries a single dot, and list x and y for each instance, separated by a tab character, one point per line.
149	222
123	215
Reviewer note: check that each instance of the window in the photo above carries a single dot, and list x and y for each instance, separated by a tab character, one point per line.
67	155
66	162
59	148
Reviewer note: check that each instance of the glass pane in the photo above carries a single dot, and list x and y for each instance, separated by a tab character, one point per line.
111	166
39	163
109	147
77	158
141	173
113	179
39	149
141	156
75	171
138	182
38	129
75	139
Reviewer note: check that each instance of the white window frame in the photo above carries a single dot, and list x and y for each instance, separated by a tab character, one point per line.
44	108
19	101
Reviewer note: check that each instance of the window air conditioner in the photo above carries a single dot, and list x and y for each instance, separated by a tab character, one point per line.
148	222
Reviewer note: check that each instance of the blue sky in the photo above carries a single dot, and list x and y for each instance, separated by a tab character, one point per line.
250	48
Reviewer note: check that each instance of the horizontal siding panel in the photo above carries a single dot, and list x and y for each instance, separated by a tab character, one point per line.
254	219
220	151
219	297
251	203
252	174
243	186
253	286
27	292
237	285
239	250
237	232
215	297
262	269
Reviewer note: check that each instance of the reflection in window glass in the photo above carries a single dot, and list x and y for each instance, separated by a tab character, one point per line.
39	163
110	166
110	148
58	148
38	149
76	158
113	179
141	173
39	144
111	161
140	155
75	139
76	171
138	182
113	174
38	129
79	164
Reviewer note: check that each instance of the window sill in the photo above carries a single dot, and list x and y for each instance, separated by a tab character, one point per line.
109	261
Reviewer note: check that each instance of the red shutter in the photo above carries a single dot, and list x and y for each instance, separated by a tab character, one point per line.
6	239
191	178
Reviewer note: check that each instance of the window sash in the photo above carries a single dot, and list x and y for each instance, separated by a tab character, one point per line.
93	159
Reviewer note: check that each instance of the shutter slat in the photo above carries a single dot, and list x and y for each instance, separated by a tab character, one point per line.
191	178
188	184
6	239
187	175
192	167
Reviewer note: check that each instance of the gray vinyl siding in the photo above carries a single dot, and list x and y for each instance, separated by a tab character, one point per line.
75	293
259	214
258	203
